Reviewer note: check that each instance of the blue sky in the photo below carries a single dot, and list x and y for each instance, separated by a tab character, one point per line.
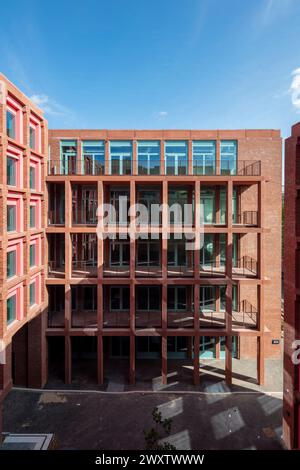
156	64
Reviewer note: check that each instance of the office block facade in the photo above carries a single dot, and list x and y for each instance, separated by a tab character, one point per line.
23	153
291	408
150	297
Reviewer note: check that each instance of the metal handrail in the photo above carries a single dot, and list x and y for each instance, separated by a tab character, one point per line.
79	166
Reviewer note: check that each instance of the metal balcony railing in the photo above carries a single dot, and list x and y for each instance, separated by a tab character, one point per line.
55	217
116	319
84	319
180	319
56	269
246	267
142	270
148	319
84	268
56	319
116	271
247	218
141	166
180	271
245	316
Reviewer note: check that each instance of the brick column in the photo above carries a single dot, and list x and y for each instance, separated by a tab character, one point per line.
37	351
197	333
198	229
228	314
132	284
260	288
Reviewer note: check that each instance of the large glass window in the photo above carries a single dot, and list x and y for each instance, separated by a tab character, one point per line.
11	218
93	157
228	155
177	298
223	298
11	306
148	298
119	253
32	261
181	208
150	198
204	157
32	137
119	298
176	160
32	293
68	153
120	201
148	253
223	249
208	298
207	250
11	263
11	124
11	166
32	177
90	298
32	217
177	254
208	206
148	157
120	157
223	206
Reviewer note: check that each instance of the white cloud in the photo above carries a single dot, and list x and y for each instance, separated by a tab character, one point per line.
274	9
295	89
49	106
161	115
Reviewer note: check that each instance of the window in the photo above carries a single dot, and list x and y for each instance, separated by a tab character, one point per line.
223	298
204	157
148	253
228	154
150	198
208	298
119	253
11	218
11	263
207	250
207	201
32	137
119	298
84	204
68	153
148	298
32	293
32	216
223	206
177	255
90	298
11	305
120	157
177	298
223	249
176	158
11	166
180	207
148	158
11	124
93	157
32	177
120	202
32	255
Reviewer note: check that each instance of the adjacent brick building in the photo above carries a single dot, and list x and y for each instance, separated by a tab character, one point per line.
291	408
145	299
23	151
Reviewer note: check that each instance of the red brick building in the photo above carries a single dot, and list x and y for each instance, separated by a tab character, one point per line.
141	299
23	153
291	409
67	294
